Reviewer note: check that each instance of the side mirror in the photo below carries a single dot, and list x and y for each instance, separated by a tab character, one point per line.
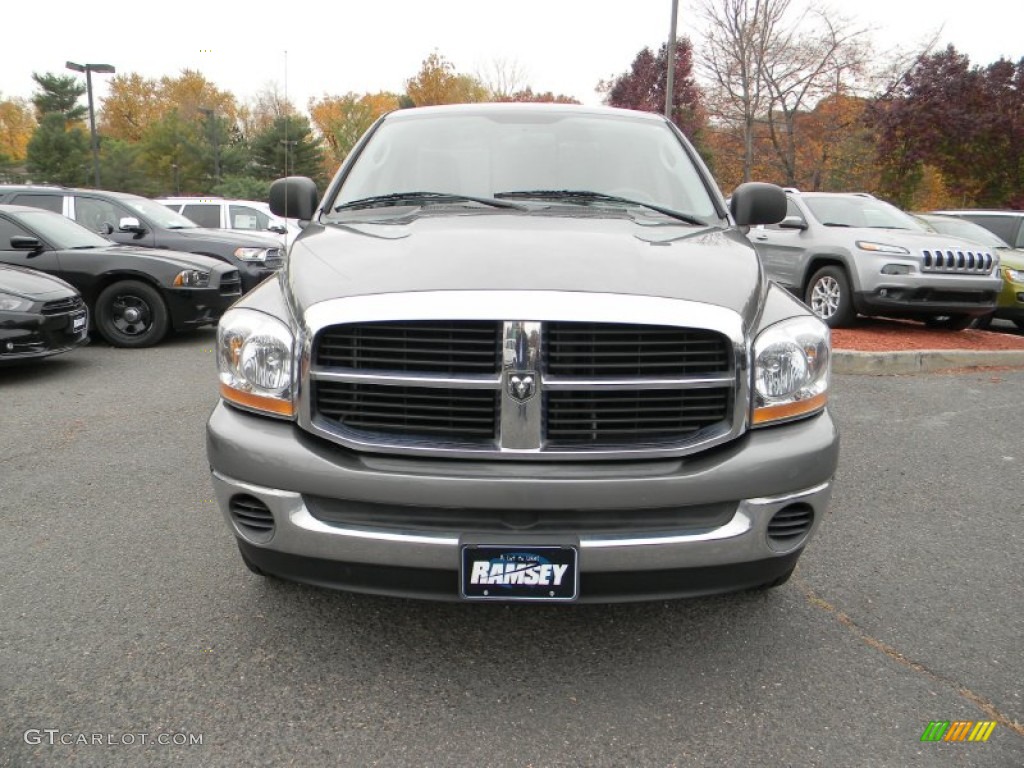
294	197
23	243
757	203
277	229
131	224
792	222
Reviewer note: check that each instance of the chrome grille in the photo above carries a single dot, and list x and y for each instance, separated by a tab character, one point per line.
614	349
414	411
518	389
60	306
646	416
425	346
956	260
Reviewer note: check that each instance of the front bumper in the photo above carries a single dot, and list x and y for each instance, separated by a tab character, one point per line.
291	472
25	335
923	301
195	307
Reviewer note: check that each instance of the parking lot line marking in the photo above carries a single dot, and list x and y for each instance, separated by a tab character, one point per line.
976	699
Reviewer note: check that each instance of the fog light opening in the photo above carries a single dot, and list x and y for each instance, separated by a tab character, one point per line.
790	526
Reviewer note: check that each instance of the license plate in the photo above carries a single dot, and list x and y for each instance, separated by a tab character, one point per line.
523	572
78	322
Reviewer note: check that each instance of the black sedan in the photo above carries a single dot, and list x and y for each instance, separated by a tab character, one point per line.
40	315
135	295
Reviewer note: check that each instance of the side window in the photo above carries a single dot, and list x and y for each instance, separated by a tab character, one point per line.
96	215
791	210
203	215
53	203
1004	226
244	217
176	207
9	229
1020	232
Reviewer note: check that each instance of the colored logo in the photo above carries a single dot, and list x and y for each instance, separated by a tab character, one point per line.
958	730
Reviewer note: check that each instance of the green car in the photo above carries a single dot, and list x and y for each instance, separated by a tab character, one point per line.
1010	304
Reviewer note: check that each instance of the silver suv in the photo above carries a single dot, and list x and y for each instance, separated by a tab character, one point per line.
849	254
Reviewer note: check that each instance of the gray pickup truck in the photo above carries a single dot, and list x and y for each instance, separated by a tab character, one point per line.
523	352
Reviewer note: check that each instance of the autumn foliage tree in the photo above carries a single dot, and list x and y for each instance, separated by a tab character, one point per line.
965	122
437	82
341	120
643	87
16	126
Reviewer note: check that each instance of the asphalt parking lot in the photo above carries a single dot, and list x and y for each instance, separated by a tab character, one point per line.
125	610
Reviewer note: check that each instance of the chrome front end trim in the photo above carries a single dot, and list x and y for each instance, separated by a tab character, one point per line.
520	430
742	539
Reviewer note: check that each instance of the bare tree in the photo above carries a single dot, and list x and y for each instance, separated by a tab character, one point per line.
768	63
738	34
828	57
503	77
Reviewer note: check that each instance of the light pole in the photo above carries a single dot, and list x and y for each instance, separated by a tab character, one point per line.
104	69
212	117
288	144
670	76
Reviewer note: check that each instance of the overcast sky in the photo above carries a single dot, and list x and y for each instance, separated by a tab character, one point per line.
565	46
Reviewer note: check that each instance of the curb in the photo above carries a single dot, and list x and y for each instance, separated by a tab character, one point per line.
920	361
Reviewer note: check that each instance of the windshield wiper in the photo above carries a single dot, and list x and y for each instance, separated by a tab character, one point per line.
585	196
835	224
401	198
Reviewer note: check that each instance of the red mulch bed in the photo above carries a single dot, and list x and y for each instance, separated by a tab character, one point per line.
878	335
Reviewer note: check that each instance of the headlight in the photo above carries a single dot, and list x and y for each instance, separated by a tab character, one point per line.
254	361
1013	275
192	278
251	254
9	303
791	370
896	250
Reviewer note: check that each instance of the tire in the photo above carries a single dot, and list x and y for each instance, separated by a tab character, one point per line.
981	323
1019	324
830	298
131	314
950	322
778	581
253	568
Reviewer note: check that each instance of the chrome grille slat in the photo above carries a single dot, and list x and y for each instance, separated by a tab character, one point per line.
955	260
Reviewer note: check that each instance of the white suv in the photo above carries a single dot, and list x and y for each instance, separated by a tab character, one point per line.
242	215
850	254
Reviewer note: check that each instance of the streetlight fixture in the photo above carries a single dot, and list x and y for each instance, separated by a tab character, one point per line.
103	69
211	115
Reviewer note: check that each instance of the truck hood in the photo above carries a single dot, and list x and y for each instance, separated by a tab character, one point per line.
513	251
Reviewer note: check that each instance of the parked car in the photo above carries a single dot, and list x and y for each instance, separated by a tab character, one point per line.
1007	225
523	352
850	254
40	315
135	295
138	221
1010	304
238	215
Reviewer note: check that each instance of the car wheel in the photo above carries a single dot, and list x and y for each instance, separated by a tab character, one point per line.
131	314
949	322
778	581
252	566
829	297
981	323
1019	324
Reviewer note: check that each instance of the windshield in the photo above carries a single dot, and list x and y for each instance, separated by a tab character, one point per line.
157	213
968	230
855	211
484	155
61	232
